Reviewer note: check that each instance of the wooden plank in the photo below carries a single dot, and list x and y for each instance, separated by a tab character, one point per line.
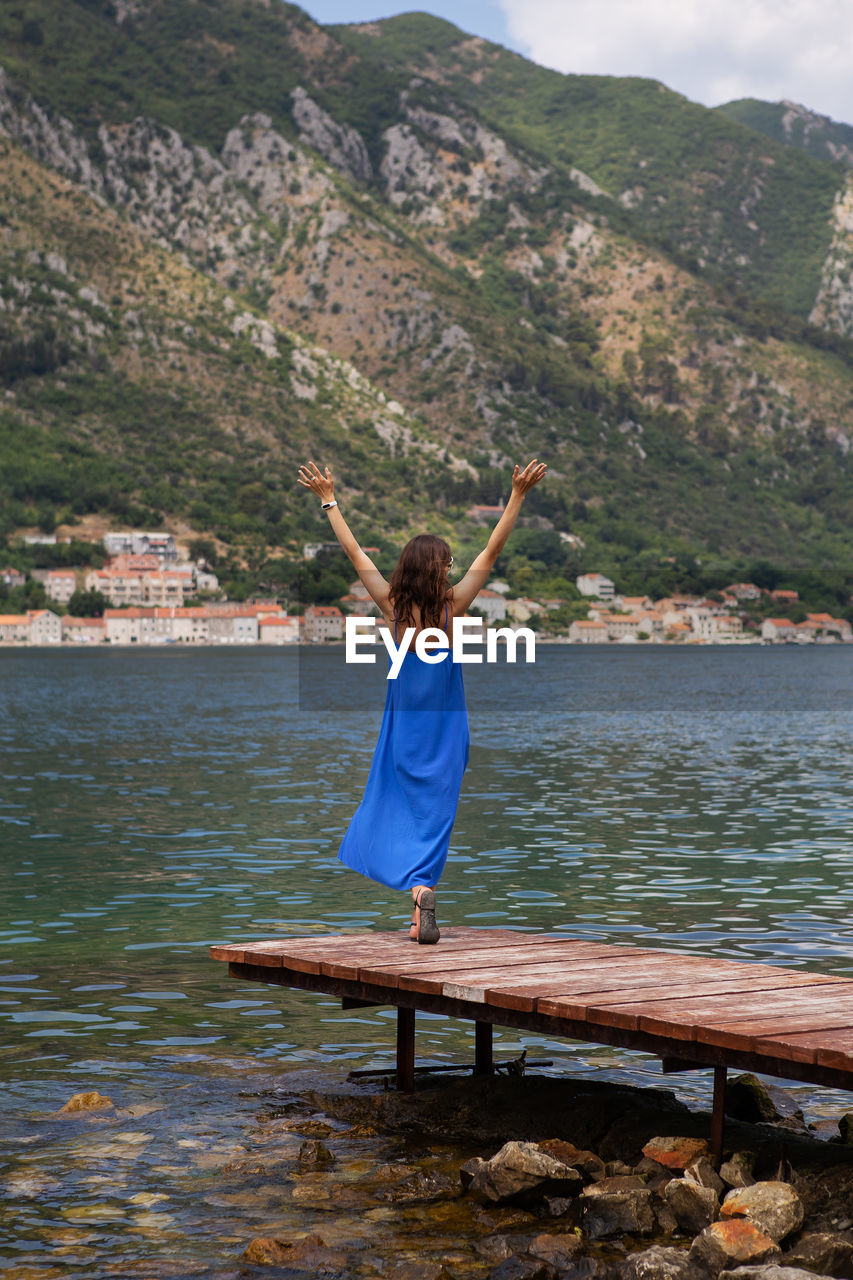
548	1001
672	1017
391	967
521	960
751	1034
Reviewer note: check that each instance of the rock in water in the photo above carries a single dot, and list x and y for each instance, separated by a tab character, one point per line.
309	1254
519	1170
86	1102
660	1263
773	1207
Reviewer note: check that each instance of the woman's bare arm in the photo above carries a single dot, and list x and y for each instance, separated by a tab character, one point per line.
310	477
466	590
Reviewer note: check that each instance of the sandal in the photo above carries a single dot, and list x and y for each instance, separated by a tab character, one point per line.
427	927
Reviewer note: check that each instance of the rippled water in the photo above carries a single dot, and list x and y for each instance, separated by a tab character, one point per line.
154	802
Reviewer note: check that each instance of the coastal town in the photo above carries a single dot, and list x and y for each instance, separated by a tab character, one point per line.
147	579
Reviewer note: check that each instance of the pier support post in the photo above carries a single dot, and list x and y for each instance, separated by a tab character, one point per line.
718	1115
405	1049
483	1061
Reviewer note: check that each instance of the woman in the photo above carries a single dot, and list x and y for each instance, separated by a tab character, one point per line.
400	833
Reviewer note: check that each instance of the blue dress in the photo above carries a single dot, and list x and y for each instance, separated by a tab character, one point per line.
400	833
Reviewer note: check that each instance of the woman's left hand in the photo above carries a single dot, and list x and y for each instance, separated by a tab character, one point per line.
309	476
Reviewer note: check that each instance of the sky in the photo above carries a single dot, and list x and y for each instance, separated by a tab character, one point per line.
712	51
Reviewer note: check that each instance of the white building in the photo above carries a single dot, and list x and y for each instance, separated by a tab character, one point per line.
134	542
595	584
491	604
60	584
83	630
323	622
45	627
777	629
281	630
583	631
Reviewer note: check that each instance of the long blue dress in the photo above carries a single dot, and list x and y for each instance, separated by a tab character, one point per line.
400	833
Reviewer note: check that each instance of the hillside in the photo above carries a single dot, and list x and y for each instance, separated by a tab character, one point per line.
795	126
271	240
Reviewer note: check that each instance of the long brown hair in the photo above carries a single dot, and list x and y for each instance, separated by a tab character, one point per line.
420	578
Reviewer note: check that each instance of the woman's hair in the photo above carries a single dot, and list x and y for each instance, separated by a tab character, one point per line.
421	578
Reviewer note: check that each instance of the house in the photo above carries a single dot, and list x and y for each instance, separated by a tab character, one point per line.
60	585
14	628
83	630
491	604
595	584
585	632
323	622
523	609
678	631
279	630
824	622
777	630
134	542
632	604
12	577
621	626
45	627
483	514
743	591
785	597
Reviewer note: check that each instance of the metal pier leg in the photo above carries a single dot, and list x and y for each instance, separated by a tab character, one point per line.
483	1062
405	1050
718	1115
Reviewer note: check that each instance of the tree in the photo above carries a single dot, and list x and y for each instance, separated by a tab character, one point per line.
87	604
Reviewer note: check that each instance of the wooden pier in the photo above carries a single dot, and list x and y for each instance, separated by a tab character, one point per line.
690	1011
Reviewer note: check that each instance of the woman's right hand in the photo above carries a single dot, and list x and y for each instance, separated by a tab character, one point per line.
526	479
323	485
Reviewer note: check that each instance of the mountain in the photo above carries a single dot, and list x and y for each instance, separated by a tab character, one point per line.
232	238
796	126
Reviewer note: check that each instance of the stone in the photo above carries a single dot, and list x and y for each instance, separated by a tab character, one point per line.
771	1271
773	1207
86	1102
616	1168
695	1207
523	1267
666	1220
497	1248
702	1172
469	1170
587	1163
828	1253
737	1171
559	1206
422	1187
730	1244
659	1263
521	1169
315	1155
309	1254
749	1099
610	1210
845	1128
562	1251
428	1269
675	1153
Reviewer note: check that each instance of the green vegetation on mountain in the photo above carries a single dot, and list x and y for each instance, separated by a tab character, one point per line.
794	126
182	323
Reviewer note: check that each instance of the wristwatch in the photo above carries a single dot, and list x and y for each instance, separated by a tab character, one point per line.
326	505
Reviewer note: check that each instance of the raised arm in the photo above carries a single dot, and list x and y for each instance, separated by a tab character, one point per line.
465	591
310	477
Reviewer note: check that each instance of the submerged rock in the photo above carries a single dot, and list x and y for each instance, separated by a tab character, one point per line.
772	1271
315	1155
773	1207
86	1102
309	1254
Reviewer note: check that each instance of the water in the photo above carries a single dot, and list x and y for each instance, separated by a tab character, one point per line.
153	802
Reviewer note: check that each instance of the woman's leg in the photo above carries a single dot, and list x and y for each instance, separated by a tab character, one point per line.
423	927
